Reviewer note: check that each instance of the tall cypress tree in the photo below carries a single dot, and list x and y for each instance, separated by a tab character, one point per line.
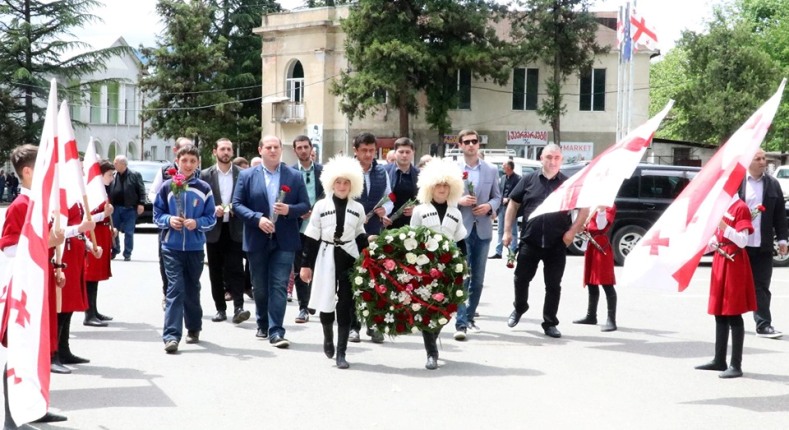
34	37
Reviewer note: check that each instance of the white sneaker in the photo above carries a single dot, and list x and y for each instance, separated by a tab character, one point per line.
460	334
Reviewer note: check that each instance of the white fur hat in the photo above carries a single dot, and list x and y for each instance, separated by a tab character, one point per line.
344	167
440	171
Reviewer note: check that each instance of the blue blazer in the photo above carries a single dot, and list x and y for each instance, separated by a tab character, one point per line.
250	203
487	191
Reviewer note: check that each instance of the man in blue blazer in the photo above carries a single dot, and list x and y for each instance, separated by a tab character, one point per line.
271	233
477	209
311	173
402	178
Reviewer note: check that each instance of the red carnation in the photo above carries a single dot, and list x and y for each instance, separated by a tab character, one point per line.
378	319
380	304
431	256
172	171
285	189
426	319
366	296
401	316
458	280
760	208
452	308
400	328
445	258
465	175
388	249
392	196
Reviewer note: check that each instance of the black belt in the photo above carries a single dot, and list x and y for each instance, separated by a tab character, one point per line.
336	242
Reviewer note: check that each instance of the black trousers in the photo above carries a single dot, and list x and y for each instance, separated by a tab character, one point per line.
553	260
226	269
161	269
762	269
343	264
303	289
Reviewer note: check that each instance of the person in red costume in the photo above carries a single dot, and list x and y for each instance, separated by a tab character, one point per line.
23	159
732	291
98	269
599	266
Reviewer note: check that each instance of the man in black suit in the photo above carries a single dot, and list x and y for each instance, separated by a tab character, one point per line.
311	173
762	190
223	242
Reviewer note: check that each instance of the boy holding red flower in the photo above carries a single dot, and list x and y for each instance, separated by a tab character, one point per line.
184	210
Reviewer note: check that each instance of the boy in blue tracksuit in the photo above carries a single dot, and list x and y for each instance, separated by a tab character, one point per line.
184	210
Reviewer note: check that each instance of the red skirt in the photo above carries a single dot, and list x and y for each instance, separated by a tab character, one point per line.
599	267
74	294
731	287
99	269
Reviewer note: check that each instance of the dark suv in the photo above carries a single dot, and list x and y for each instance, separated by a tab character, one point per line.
148	170
640	202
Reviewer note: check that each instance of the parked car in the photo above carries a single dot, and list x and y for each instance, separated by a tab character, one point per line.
782	175
148	171
642	199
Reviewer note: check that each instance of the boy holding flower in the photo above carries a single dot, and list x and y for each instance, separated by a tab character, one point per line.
184	211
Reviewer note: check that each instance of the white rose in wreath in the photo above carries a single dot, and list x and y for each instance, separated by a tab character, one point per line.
422	260
410	258
410	244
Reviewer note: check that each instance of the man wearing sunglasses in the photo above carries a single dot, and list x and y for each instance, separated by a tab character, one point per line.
481	198
311	173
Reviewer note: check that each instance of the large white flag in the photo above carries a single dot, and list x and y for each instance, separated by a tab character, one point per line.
24	302
70	170
670	251
598	183
95	189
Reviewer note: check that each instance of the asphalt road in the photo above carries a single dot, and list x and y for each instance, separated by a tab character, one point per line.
641	376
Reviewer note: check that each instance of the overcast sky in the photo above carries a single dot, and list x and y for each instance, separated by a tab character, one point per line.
138	23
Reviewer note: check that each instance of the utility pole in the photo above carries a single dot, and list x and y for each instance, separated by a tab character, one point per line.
142	125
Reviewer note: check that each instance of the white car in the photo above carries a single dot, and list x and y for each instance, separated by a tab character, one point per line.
782	174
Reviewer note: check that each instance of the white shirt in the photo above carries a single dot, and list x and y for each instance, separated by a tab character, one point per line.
754	192
225	188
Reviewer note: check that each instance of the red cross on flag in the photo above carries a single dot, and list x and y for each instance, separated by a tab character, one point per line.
70	169
24	300
669	253
598	183
97	193
641	31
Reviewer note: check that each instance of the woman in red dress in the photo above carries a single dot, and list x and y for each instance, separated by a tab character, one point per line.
599	267
732	292
98	269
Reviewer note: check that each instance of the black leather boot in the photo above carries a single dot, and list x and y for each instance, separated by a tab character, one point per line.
610	298
721	341
64	349
432	350
91	314
591	310
327	321
737	339
56	366
342	345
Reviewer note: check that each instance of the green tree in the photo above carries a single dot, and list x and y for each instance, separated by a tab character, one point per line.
769	21
11	131
232	25
729	75
667	78
399	48
34	37
563	35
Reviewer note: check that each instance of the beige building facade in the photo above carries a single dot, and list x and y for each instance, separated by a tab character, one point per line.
304	51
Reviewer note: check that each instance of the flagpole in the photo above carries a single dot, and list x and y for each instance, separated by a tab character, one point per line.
632	74
58	249
619	79
89	217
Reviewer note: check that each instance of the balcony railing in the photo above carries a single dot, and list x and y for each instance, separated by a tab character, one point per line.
288	112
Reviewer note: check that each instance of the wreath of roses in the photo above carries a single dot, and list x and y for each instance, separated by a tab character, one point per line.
409	279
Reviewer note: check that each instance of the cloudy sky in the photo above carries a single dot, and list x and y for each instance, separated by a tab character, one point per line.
138	23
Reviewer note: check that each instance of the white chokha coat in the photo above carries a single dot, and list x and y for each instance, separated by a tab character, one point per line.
321	227
452	226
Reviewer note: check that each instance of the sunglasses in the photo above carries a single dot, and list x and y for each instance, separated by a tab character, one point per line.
470	142
308	178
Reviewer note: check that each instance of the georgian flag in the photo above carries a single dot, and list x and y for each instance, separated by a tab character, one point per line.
70	169
24	303
669	253
642	32
598	183
96	192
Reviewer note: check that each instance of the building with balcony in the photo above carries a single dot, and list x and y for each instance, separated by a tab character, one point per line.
304	50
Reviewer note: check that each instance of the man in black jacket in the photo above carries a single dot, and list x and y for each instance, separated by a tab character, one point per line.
127	195
223	242
763	191
506	185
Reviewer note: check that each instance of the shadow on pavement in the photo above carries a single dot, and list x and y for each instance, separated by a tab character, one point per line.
122	331
149	396
755	404
446	368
